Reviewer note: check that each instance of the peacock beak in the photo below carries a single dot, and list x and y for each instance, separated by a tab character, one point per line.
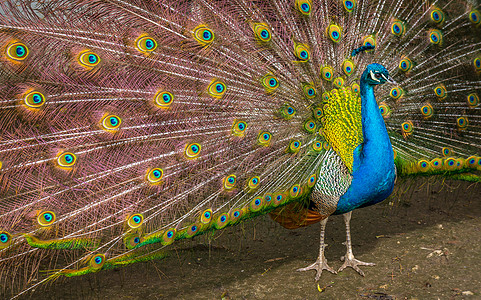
389	79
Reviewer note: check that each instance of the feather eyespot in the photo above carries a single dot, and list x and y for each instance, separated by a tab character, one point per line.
97	261
427	111
216	89
239	128
436	163
169	236
407	128
254	182
256	204
405	64
294	146
312	180
302	53
462	123
288	112
111	122
270	83
475	17
267	199
423	165
369	41
17	51
155	175
318	113
46	218
447	151
396	92
135	221
473	100
66	160
477	64
326	73
437	16
146	44
229	182
355	88
222	221
5	239
309	91
440	92
304	6
236	214
203	35
317	146
279	198
349	5
334	32
262	32
435	37
348	67
264	138
310	126
88	59
192	150
339	82
34	99
384	110
450	164
163	99
294	191
398	28
206	216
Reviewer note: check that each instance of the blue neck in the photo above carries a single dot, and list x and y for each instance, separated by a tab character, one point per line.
373	169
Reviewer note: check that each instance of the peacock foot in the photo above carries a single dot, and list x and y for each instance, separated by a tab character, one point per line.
350	261
319	265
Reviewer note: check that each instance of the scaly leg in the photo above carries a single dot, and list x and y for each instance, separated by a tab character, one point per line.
321	262
349	260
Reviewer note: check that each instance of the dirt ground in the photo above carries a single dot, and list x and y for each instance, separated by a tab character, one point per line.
427	245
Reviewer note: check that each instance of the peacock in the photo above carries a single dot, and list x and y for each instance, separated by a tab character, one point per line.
129	125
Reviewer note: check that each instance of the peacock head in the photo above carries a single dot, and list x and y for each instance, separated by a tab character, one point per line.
376	74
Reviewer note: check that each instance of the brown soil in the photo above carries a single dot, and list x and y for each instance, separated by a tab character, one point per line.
427	245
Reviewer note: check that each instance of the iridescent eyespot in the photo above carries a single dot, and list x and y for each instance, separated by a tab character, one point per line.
88	59
334	32
5	239
440	91
447	151
270	82
423	165
17	51
46	218
369	41
294	146
384	110
192	150
450	164
311	181
348	67
239	128
169	236
221	221
405	64
132	241
262	32
97	261
436	163
111	122
278	198
235	215
326	96
206	216
135	221
473	100
268	199
310	126
309	91
407	128
339	82
355	88
462	123
471	161
318	113
146	44
193	230
326	73
229	182
427	111
34	99
216	89
304	6
475	16
302	53
155	175
477	63
254	182
398	28
203	35
317	146
66	160
264	138
396	92
349	5
326	145
435	36
437	16
256	204
288	112
294	191
163	99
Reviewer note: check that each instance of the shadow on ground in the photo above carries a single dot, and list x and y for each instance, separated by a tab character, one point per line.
426	243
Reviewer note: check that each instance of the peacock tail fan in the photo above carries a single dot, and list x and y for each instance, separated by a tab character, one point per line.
129	125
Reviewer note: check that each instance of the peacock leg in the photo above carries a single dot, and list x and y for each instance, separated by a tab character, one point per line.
321	262
349	260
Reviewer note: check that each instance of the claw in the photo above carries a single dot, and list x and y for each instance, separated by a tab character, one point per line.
354	263
319	265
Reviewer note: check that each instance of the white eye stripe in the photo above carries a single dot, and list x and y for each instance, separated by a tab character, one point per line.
373	77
